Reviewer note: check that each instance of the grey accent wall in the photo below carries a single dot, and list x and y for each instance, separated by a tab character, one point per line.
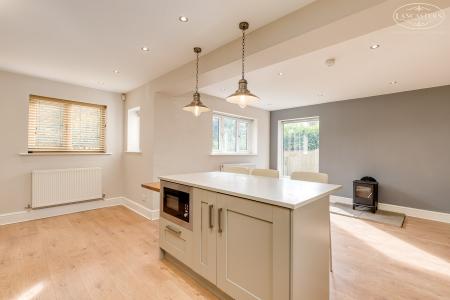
402	139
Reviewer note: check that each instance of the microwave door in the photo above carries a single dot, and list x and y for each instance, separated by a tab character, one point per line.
172	204
176	204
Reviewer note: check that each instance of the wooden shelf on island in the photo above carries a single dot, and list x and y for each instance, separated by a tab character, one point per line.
153	186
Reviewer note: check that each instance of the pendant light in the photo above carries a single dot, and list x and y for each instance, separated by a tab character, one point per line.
196	106
242	96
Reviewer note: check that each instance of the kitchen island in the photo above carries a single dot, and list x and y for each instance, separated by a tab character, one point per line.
251	237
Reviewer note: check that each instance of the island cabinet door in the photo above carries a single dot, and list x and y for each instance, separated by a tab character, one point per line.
253	249
205	234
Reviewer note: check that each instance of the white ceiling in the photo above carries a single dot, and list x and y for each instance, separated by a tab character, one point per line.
84	41
414	58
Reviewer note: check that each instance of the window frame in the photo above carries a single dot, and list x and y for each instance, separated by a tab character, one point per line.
65	149
251	123
280	146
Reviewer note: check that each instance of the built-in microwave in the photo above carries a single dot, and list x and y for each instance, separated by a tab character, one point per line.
176	203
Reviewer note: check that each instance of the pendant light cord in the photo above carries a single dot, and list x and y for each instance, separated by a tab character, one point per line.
196	75
243	53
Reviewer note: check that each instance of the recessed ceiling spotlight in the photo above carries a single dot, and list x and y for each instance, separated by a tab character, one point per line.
280	74
146	49
374	46
393	82
183	19
116	71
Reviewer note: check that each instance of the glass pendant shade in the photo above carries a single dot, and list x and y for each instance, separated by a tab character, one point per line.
242	96
196	106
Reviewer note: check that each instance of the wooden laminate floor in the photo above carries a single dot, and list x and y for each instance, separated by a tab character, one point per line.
112	253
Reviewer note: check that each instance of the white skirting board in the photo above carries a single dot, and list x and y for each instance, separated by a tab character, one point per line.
141	210
34	214
409	211
28	215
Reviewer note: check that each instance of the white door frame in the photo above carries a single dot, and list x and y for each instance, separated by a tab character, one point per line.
280	148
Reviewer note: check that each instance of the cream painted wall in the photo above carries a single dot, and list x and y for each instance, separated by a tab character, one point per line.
138	167
187	139
174	141
15	171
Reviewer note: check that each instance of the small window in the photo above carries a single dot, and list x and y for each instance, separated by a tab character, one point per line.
134	130
56	125
231	134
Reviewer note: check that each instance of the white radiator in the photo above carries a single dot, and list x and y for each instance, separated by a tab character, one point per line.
247	165
55	187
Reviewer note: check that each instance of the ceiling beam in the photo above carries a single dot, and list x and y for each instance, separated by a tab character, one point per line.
320	24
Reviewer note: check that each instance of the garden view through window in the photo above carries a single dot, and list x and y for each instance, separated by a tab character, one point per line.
300	146
231	134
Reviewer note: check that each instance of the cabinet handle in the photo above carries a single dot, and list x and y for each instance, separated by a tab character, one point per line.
173	230
211	224
219	212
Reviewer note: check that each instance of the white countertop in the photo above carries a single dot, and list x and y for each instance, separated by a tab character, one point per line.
282	192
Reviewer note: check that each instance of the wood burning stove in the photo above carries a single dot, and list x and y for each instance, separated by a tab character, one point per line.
365	194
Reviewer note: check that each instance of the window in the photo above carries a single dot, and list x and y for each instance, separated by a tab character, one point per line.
299	143
56	125
216	133
231	134
134	130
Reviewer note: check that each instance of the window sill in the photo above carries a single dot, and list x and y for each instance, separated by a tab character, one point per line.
133	152
61	154
233	154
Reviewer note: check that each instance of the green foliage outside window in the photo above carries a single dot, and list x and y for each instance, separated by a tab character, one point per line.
296	134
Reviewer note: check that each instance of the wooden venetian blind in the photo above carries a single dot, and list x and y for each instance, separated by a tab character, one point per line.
56	125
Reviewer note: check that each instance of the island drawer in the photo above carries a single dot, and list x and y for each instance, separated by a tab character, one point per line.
176	240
